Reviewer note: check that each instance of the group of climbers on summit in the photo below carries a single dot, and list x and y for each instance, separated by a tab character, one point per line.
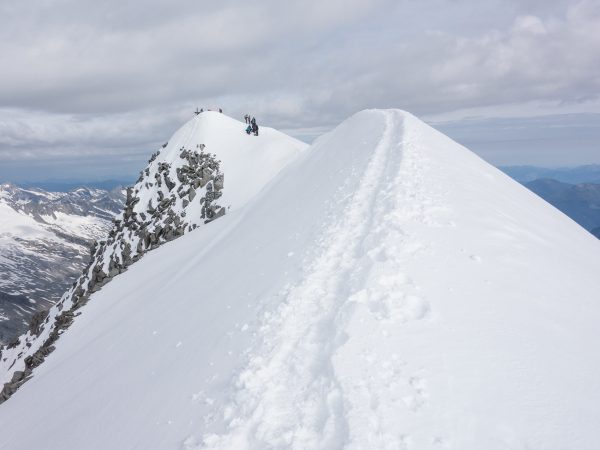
252	126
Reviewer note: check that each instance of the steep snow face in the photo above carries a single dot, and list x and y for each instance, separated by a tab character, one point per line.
388	290
181	188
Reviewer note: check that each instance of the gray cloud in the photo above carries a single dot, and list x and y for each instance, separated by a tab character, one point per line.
112	78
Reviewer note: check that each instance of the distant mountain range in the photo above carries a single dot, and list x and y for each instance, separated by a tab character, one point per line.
72	185
574	191
571	175
44	243
581	202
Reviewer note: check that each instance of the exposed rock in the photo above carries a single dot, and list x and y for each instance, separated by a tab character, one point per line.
36	322
219	181
169	183
134	233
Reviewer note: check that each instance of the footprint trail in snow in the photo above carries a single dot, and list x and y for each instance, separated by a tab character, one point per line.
290	394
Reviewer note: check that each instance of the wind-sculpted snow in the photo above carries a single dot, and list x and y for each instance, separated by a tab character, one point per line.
388	290
178	191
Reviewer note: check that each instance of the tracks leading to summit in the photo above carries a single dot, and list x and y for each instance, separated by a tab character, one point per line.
288	394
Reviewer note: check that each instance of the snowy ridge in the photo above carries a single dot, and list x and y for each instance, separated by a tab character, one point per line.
178	191
387	290
338	364
303	333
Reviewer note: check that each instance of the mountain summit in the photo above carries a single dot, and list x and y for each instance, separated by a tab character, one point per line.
386	289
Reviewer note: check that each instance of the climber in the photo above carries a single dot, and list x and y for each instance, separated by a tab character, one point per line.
247	118
197	112
220	110
255	128
253	121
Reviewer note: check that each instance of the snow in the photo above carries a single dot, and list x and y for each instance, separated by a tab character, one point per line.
17	225
24	240
13	223
387	289
86	227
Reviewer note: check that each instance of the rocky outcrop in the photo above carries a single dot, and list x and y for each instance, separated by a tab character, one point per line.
168	200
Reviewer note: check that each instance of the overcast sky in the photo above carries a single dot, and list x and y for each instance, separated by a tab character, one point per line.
88	89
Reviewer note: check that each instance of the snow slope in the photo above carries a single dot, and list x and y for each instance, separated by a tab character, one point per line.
388	290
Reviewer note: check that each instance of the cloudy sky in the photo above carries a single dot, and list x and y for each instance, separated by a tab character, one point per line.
88	89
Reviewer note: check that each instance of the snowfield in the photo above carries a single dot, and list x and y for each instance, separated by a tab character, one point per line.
387	289
23	226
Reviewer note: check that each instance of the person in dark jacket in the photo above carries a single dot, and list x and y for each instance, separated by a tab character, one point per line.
255	128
